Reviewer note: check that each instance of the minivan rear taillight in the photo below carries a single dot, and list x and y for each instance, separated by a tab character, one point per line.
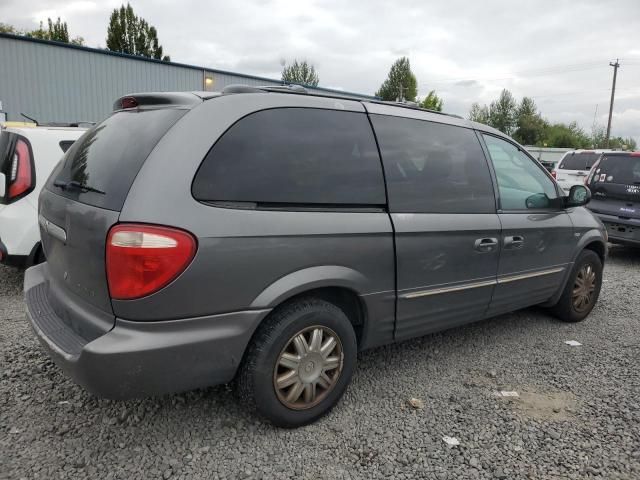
554	174
19	172
142	259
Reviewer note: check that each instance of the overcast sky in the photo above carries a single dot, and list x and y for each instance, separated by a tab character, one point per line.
557	51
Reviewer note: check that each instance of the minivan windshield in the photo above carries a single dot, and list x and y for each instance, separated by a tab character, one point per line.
619	169
100	166
579	161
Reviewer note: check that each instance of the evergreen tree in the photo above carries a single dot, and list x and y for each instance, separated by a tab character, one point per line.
502	112
530	126
56	31
128	33
302	73
432	102
401	83
479	113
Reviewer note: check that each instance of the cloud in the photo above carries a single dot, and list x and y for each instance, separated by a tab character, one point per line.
466	83
553	50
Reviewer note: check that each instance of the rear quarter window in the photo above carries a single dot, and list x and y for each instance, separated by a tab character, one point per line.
294	156
105	160
579	161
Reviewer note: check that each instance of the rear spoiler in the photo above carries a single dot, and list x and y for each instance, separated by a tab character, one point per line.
156	99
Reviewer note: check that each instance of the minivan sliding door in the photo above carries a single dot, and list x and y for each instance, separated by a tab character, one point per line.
442	205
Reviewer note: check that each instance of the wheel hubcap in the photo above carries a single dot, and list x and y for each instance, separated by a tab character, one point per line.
308	367
584	288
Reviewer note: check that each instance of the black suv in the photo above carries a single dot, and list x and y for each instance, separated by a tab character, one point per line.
615	183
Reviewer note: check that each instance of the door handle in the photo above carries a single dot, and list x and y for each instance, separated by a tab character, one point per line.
485	244
516	241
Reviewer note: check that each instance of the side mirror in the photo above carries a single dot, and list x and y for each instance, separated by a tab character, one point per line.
579	195
538	200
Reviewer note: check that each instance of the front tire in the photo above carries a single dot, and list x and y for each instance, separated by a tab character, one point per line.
582	289
299	363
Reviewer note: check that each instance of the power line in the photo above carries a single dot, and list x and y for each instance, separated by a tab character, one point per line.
574	93
560	69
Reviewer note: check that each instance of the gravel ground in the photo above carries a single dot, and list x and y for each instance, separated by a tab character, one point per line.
577	414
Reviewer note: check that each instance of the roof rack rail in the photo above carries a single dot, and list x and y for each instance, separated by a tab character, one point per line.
299	89
412	106
240	88
286	88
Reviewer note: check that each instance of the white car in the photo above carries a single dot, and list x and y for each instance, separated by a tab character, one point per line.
574	167
28	154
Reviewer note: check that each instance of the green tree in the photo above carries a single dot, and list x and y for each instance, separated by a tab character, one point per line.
56	31
530	126
620	143
432	102
565	136
502	112
479	113
401	83
40	33
629	142
6	28
302	73
599	140
598	137
128	33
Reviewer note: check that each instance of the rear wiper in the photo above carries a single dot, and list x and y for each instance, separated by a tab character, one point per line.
76	185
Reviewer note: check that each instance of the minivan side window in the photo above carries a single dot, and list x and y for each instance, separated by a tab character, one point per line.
298	156
521	182
432	167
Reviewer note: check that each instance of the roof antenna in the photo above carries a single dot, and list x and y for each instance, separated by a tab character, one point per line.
30	118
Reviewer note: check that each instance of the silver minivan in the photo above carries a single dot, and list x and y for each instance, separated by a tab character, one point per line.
266	235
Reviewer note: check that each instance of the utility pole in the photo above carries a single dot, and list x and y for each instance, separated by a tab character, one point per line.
613	94
401	98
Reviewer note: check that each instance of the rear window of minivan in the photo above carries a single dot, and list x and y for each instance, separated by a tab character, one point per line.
620	169
294	156
579	161
104	162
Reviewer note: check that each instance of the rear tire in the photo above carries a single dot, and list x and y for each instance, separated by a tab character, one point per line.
39	257
299	363
582	289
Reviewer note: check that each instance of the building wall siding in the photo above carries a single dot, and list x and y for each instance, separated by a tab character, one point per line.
54	83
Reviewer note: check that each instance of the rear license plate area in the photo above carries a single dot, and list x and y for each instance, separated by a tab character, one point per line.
620	230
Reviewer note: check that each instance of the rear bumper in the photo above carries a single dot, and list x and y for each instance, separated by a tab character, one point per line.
20	261
137	359
566	185
19	228
11	260
623	231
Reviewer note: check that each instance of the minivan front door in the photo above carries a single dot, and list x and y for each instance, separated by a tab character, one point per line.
537	234
447	232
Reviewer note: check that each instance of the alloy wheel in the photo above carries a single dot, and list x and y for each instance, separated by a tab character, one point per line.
308	367
584	288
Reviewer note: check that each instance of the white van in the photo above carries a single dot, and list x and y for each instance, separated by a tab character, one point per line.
574	167
28	154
